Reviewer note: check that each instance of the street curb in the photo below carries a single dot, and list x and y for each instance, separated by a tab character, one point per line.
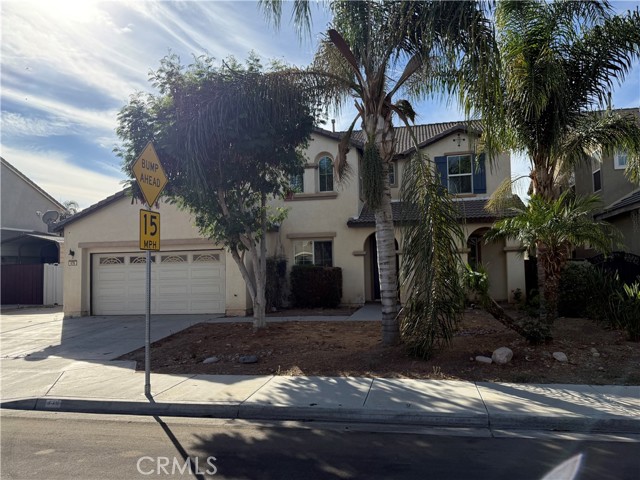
360	415
123	407
577	424
562	423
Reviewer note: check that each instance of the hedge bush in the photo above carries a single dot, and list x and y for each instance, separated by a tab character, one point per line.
314	287
276	282
575	288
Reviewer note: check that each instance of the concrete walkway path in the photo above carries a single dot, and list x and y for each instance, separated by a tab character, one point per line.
77	373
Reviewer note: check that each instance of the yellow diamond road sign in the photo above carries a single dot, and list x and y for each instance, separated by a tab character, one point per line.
149	174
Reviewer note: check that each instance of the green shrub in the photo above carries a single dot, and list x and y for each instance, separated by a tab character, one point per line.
612	302
625	310
313	287
532	304
602	287
276	282
574	289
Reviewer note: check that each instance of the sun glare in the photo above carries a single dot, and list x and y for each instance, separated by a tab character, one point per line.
67	10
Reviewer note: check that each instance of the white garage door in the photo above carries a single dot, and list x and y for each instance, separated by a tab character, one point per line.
181	282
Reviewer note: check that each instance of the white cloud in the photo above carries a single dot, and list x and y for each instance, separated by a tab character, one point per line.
20	125
62	112
52	171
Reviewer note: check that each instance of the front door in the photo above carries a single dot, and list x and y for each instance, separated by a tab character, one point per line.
375	273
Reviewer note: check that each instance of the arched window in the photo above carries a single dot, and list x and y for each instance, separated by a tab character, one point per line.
325	174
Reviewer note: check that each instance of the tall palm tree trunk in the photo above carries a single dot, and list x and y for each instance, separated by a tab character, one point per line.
388	275
380	128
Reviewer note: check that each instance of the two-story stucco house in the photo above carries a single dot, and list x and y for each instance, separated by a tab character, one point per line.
327	224
25	241
620	198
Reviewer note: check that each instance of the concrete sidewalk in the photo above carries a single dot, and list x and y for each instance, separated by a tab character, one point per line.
55	364
59	384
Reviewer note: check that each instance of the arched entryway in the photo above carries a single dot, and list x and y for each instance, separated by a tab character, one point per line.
372	278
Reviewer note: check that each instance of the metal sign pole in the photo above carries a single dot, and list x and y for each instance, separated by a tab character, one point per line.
147	342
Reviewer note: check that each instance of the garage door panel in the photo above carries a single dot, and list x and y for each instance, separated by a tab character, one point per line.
175	290
165	275
112	276
182	282
200	273
206	290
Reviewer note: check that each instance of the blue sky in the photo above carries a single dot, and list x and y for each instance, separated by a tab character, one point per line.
68	67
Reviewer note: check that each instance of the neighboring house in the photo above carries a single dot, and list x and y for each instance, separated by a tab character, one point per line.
26	243
620	198
327	224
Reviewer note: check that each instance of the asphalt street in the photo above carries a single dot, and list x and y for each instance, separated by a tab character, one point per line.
56	446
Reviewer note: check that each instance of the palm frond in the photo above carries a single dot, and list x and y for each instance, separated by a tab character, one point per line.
342	168
502	198
430	263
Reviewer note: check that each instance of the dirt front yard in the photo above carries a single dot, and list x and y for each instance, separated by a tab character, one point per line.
345	348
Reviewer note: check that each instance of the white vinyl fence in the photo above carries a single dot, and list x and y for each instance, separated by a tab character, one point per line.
52	288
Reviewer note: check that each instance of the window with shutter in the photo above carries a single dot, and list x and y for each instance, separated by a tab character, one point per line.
462	173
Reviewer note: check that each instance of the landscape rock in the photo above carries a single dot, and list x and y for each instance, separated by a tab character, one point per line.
482	359
595	352
248	359
211	360
502	355
561	357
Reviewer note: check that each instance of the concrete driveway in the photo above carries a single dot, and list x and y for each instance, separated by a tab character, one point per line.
41	333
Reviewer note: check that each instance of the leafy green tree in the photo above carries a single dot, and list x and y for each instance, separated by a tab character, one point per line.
559	61
228	138
554	228
373	50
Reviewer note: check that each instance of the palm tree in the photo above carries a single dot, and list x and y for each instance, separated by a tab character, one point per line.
358	60
554	228
559	62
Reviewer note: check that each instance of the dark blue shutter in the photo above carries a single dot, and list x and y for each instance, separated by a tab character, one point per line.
479	175
441	166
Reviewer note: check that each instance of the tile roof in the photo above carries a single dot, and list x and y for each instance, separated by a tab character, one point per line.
630	202
472	210
425	134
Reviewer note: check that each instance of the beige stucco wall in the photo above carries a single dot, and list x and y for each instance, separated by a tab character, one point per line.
318	216
115	228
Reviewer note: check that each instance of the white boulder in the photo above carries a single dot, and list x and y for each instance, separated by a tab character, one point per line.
482	359
561	357
502	355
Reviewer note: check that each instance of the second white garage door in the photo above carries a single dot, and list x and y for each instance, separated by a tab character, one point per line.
181	282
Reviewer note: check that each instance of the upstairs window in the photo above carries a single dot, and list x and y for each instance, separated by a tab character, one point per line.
597	178
325	174
620	159
392	174
460	174
296	183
